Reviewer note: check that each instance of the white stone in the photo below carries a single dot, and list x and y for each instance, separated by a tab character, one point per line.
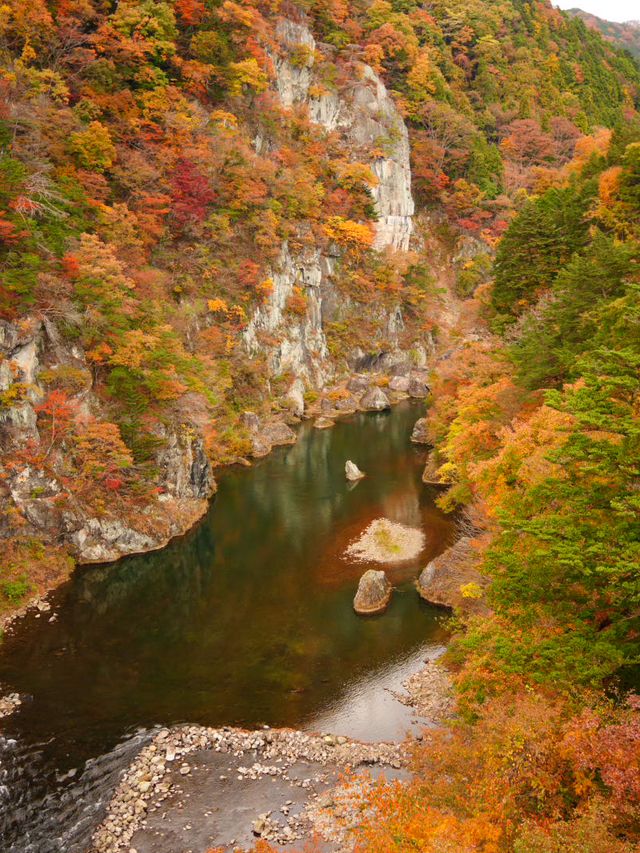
352	472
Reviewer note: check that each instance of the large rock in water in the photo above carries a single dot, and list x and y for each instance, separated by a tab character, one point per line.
419	434
374	593
375	400
352	471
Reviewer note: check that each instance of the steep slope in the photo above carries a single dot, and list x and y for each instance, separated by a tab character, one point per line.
626	35
208	208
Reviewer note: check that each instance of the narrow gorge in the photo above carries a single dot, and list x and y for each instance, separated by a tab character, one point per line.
319	397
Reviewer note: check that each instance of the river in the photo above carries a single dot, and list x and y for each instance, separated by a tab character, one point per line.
247	620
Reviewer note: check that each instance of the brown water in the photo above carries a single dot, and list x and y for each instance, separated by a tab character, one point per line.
247	620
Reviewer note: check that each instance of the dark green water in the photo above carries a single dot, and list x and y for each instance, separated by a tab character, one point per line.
246	620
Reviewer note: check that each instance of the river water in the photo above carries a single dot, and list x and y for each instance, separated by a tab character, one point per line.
245	621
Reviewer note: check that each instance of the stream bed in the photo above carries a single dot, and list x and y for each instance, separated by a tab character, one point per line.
247	620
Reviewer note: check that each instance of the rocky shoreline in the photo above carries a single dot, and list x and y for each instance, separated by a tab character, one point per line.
195	787
333	403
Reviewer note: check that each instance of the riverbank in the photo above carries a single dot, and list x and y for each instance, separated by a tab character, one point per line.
236	625
195	787
370	391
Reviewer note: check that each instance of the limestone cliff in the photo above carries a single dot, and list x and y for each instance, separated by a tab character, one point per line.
372	131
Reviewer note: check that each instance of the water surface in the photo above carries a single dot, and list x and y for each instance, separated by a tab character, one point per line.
247	620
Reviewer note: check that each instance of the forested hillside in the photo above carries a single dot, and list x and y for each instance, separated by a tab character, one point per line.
153	171
625	35
207	208
538	431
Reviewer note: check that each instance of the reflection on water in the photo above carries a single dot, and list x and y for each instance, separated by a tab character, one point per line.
246	620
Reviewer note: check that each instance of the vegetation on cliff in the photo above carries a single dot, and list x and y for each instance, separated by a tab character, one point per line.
538	430
149	177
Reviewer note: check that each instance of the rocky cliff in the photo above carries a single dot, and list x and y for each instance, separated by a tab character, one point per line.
359	116
361	112
34	488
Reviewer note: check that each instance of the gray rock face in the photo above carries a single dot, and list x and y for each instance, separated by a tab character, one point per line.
361	113
417	388
419	434
278	432
186	468
374	593
395	363
295	398
352	472
358	384
40	498
375	400
400	384
302	346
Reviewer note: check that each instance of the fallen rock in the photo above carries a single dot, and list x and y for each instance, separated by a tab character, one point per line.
375	400
346	404
352	471
278	432
417	388
452	579
419	434
399	384
323	423
374	593
260	446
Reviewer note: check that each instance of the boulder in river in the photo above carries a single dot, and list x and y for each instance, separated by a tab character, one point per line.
323	423
419	434
375	400
352	471
374	593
